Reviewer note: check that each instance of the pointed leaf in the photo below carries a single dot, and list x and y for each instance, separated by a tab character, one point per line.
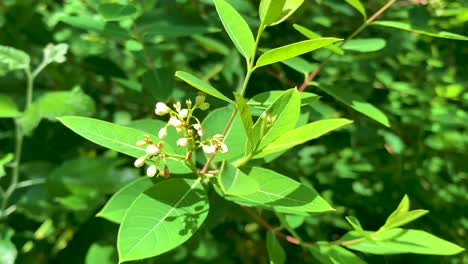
235	182
354	222
162	218
403	219
270	10
358	6
246	117
365	45
115	208
312	35
266	99
12	59
275	250
288	9
302	134
293	50
201	85
357	103
8	107
410	28
403	207
115	12
236	27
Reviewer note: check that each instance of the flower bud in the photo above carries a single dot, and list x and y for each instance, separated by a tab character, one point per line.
208	149
200	132
183	113
204	106
151	171
174	121
161	109
141	143
139	162
197	126
223	148
162	133
152	150
199	99
182	142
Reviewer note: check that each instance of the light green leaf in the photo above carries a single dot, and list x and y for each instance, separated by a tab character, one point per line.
354	101
12	59
8	107
410	28
275	250
281	194
398	241
115	208
3	161
115	12
312	35
302	134
293	50
365	45
162	218
278	119
300	65
354	222
358	6
8	250
201	85
235	182
402	208
334	255
100	254
236	27
246	117
288	9
402	215
265	99
270	10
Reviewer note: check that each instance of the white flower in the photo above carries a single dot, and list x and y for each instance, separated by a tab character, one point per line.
182	142
151	171
200	132
141	143
183	113
223	148
140	162
162	133
208	149
197	126
152	150
161	109
174	121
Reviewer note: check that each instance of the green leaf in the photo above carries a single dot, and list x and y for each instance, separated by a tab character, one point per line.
300	65
90	23
410	28
281	194
55	53
402	215
8	107
270	10
312	35
12	59
151	31
235	182
266	99
354	222
3	161
288	9
115	208
236	27
8	252
102	254
162	218
54	104
293	50
278	119
201	85
358	6
365	45
357	103
158	84
398	241
302	134
402	208
246	117
275	250
115	12
334	255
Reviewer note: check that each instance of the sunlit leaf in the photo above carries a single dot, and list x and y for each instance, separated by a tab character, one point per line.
235	182
8	107
201	85
312	35
270	11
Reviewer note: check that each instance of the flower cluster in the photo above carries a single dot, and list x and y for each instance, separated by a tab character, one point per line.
153	152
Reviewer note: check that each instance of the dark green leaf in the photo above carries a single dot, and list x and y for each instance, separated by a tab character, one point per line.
115	12
410	28
275	250
334	255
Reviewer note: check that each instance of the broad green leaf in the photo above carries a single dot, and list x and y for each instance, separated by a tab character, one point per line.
265	99
54	104
236	27
162	218
410	28
8	250
293	50
357	103
235	182
115	12
334	255
115	208
12	59
201	85
288	9
8	107
276	253
281	194
365	45
398	241
246	117
100	254
278	119
270	10
3	161
358	6
312	35
302	134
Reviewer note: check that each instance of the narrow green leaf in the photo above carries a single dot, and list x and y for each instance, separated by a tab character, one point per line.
398	241
354	222
276	252
201	85
312	35
12	59
365	45
403	219
357	103
334	255
270	10
358	6
3	161
293	50
115	12
246	117
235	182
151	30
288	9
8	107
266	99
115	208
302	134
162	218
236	27
403	207
410	28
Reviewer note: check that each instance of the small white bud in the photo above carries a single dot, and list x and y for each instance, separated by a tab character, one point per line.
208	149
197	126
141	143
161	109
162	133
182	142
139	162
183	113
200	132
223	148
174	121
152	150
151	171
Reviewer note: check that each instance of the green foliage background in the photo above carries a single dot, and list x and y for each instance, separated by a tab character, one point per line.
418	81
